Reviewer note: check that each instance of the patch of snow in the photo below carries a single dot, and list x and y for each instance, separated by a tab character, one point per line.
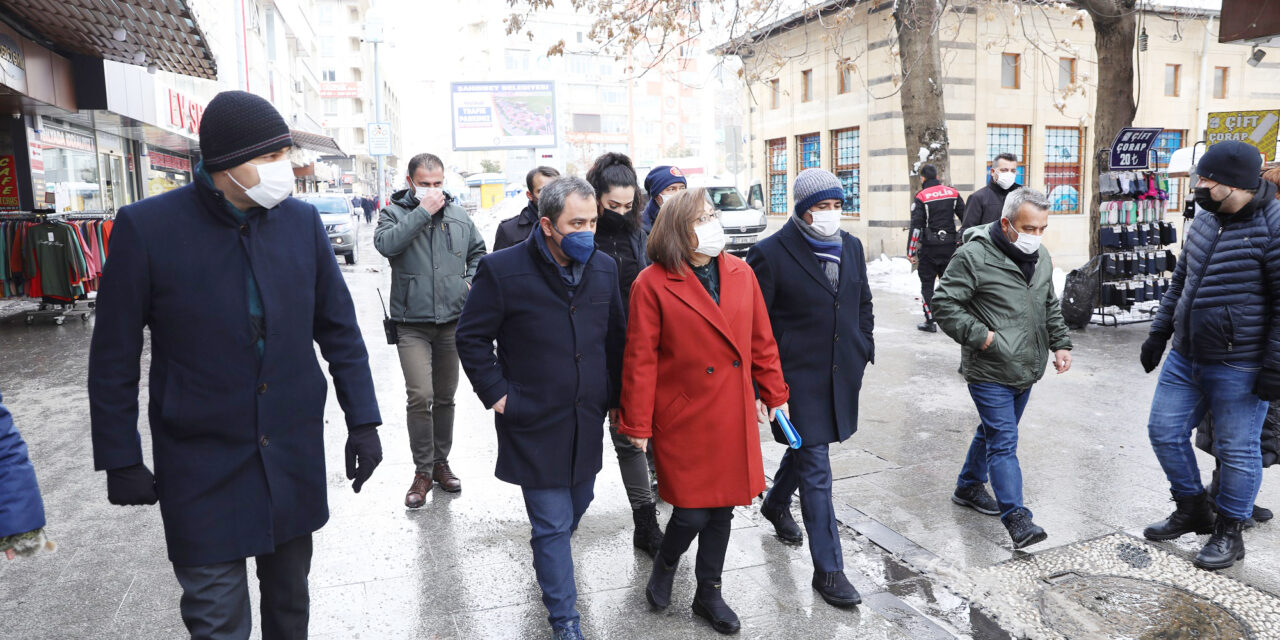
894	274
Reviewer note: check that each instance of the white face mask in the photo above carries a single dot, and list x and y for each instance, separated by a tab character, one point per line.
421	192
1005	179
710	238
1027	243
826	223
275	183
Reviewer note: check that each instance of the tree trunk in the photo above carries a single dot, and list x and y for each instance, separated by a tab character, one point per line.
924	123
1114	29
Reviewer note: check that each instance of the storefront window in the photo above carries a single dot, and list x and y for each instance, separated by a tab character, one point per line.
168	172
70	170
118	187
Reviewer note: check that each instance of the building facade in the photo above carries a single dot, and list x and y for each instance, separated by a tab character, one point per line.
825	95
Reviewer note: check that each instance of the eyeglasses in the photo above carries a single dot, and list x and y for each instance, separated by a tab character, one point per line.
708	217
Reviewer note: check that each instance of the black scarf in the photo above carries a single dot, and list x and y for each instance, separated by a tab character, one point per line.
1025	261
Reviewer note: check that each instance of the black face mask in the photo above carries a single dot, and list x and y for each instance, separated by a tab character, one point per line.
1204	199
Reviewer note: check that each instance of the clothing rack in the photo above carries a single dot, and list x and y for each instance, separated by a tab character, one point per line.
57	309
1133	235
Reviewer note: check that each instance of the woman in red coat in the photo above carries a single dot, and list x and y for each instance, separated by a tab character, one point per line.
698	336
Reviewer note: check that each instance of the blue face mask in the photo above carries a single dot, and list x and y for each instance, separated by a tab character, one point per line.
578	245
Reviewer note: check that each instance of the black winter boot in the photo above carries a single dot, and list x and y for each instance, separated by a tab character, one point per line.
1022	530
1261	514
709	604
835	588
783	524
658	593
648	535
1224	547
1193	515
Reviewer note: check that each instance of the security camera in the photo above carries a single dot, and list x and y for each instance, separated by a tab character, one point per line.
1256	56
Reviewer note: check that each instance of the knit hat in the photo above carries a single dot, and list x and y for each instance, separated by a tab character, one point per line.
814	186
660	178
1233	163
237	127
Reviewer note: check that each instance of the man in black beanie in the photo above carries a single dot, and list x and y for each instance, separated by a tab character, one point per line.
236	282
1221	312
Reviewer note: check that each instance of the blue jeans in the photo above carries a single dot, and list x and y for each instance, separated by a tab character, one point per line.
1186	390
994	452
554	516
808	469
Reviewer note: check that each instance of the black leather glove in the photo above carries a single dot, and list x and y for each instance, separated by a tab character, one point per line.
1152	350
1268	385
131	486
364	454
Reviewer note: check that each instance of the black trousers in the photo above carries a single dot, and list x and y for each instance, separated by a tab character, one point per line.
711	527
932	261
215	597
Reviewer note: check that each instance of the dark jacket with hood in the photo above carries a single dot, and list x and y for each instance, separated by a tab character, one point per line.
1224	302
433	258
515	229
986	205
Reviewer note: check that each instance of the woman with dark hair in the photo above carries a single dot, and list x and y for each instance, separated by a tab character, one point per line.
619	235
699	344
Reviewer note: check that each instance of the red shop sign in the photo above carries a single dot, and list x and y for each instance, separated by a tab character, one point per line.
8	183
184	113
165	161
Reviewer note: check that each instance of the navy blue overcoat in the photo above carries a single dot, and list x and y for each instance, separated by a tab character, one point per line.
824	335
558	361
21	509
237	437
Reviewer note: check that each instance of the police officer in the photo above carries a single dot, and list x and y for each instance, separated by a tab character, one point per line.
933	237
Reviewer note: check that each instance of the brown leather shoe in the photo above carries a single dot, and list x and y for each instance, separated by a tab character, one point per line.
444	477
417	495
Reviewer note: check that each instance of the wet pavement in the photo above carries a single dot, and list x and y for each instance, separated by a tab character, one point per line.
460	566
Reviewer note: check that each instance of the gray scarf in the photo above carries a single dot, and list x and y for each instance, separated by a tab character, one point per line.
830	269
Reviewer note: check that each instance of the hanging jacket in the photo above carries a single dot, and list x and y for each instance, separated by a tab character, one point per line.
983	290
433	258
1223	304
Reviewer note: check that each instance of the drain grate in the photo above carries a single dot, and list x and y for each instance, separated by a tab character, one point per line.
1121	587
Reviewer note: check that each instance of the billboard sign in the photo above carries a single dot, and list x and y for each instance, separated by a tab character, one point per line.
1258	128
503	115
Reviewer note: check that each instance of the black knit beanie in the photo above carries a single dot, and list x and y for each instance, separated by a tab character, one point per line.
237	127
1233	163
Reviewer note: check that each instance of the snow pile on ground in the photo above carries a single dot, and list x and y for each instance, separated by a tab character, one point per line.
893	274
487	220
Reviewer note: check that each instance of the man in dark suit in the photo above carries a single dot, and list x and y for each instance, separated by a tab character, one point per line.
237	283
553	305
515	229
813	277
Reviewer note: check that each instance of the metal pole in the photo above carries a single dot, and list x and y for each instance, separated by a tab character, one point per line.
377	110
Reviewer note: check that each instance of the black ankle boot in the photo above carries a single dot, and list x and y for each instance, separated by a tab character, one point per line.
658	593
1193	515
783	524
1224	547
709	604
648	535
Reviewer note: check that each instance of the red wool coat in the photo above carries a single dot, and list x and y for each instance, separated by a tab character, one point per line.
686	383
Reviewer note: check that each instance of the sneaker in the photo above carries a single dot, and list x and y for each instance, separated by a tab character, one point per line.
1022	530
975	497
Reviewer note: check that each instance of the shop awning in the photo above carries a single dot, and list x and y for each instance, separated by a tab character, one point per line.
164	30
316	142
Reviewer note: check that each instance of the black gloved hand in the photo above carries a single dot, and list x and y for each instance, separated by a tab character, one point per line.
1152	350
364	454
131	486
1268	385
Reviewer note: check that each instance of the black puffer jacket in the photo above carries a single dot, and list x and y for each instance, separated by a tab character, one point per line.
623	239
985	205
1225	295
1270	435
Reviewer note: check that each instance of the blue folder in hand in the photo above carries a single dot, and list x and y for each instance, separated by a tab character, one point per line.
789	430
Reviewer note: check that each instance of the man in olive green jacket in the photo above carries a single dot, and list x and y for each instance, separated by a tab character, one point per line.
997	300
434	249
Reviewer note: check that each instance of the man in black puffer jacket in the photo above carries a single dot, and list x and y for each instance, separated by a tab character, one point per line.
1221	312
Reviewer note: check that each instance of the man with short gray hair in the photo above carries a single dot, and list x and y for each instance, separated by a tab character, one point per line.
554	307
997	300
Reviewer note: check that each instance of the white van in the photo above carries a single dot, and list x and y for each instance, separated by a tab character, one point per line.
742	223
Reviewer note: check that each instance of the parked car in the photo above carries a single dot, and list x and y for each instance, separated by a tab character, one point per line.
337	214
742	223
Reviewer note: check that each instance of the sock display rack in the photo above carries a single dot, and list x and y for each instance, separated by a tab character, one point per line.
1136	264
